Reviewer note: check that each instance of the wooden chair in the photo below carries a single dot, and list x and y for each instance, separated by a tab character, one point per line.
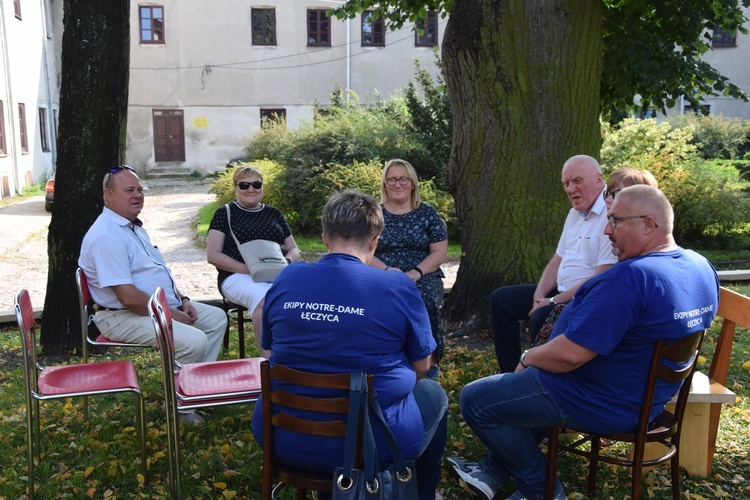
236	313
196	385
332	423
87	320
665	429
68	381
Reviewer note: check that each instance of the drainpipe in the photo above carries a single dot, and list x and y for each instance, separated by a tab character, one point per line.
50	112
348	57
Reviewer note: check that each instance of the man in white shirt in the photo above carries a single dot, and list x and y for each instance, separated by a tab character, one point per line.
582	252
124	269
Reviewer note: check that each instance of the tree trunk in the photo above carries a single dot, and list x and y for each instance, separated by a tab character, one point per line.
93	110
523	78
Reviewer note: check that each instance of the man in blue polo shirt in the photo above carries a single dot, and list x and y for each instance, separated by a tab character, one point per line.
592	374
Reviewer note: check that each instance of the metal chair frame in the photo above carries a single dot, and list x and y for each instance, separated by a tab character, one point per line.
58	382
84	297
196	385
235	312
664	430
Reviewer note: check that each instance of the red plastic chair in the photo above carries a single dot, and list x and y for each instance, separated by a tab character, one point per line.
196	385
84	297
57	382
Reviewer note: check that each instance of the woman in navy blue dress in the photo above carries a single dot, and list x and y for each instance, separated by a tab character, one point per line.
415	242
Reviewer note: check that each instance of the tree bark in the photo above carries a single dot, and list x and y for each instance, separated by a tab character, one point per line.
523	78
93	111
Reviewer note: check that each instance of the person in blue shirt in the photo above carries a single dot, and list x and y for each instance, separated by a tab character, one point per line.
592	373
340	315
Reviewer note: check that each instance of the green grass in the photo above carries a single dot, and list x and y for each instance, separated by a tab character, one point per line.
222	459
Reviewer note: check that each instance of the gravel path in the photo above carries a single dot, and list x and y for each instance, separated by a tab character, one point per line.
170	209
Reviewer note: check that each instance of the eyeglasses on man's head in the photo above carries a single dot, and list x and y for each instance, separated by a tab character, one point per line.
244	185
404	181
114	170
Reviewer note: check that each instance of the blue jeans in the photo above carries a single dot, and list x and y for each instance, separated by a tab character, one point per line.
508	306
433	405
511	414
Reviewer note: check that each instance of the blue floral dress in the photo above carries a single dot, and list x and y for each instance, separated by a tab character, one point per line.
405	243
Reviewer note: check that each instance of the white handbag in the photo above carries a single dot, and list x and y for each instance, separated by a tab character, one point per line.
263	258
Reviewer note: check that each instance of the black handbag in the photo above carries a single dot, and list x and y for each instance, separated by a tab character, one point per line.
396	482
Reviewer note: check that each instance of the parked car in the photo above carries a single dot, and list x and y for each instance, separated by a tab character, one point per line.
49	193
236	161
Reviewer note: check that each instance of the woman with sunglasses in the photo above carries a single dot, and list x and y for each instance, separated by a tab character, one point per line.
251	220
624	177
415	242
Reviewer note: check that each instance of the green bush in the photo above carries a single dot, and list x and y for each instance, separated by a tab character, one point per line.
710	200
716	136
316	157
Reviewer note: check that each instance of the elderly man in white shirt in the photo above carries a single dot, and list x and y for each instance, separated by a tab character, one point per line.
582	252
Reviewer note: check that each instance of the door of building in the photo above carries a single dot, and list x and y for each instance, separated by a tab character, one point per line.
169	135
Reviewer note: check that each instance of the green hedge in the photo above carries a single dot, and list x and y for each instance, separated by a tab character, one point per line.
710	198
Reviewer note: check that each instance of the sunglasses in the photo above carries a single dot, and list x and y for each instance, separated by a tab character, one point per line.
246	185
114	170
607	193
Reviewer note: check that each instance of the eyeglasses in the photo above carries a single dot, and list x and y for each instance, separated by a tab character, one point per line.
613	220
607	193
114	170
244	185
404	181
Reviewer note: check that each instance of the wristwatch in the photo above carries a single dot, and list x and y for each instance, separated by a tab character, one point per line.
184	298
552	301
521	359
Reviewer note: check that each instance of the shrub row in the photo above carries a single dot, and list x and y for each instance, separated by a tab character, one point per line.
711	197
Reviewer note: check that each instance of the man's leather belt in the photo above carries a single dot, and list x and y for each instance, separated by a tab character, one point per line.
97	307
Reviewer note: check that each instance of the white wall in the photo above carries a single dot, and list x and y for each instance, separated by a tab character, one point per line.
209	68
29	75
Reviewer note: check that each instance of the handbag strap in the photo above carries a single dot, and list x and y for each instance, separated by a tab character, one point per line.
390	439
357	408
229	223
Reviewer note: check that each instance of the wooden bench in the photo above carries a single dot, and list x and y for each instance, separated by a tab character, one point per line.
708	393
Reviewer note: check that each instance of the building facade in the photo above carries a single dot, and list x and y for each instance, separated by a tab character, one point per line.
30	35
730	54
205	75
